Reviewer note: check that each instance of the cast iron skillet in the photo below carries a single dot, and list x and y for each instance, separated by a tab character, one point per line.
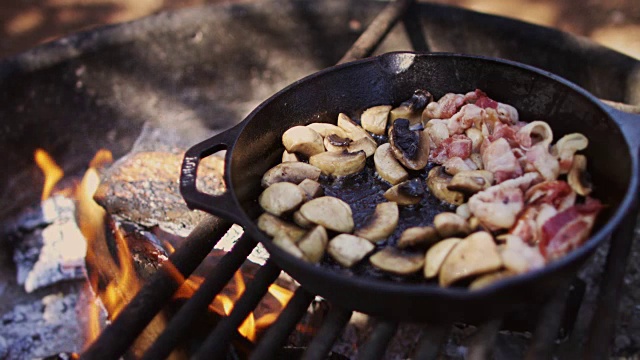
254	145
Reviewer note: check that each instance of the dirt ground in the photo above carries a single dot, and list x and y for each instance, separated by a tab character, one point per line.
26	23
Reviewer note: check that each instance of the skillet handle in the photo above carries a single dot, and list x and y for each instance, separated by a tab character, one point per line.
222	205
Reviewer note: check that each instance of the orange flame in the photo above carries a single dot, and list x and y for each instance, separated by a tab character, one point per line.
52	172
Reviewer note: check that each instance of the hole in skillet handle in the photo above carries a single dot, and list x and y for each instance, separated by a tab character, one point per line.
221	205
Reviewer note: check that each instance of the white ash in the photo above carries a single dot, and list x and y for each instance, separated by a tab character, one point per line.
53	249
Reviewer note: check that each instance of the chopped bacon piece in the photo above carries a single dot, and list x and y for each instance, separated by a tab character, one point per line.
542	160
568	229
445	107
464	119
455	146
497	207
498	158
557	193
480	99
503	131
438	132
507	113
455	165
520	257
526	227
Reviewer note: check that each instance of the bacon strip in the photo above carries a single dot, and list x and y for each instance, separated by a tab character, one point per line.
455	146
498	158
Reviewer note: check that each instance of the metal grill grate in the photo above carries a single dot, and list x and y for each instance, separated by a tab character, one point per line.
118	337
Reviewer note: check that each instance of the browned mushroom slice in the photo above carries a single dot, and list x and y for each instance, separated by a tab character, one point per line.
438	182
335	143
281	198
470	182
578	177
289	246
302	221
348	249
463	211
311	188
449	224
410	147
387	166
412	108
374	119
293	172
408	192
419	236
326	129
476	254
330	212
476	138
303	140
397	262
381	224
488	279
435	256
289	157
566	147
314	243
354	131
366	144
278	228
339	163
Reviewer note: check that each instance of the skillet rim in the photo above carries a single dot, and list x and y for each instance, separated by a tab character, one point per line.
578	255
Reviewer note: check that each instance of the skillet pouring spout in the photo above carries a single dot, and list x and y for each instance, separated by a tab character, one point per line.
255	146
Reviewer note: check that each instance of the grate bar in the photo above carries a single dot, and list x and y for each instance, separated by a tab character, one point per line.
214	282
548	327
279	331
117	337
218	340
484	340
413	27
377	31
378	341
430	341
605	315
327	334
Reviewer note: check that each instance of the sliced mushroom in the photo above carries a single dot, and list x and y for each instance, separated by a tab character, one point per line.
450	224
302	221
566	147
470	182
408	192
311	188
476	254
354	131
293	172
476	138
326	129
339	163
438	182
488	279
381	224
507	114
278	228
366	144
477	159
463	211
412	108
289	157
314	243
419	236
288	246
334	143
410	147
387	166
436	255
535	132
330	212
374	119
303	140
397	262
578	177
348	249
280	198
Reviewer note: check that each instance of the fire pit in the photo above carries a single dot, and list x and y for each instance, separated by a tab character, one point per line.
104	85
